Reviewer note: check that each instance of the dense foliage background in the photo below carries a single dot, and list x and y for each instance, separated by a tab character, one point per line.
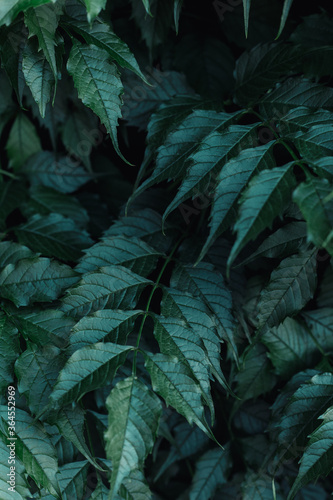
166	217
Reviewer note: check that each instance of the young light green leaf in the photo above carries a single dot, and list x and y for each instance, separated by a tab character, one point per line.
23	142
34	448
54	236
35	280
42	22
134	413
108	325
86	370
94	7
231	181
263	200
211	470
108	288
173	382
292	285
98	84
317	458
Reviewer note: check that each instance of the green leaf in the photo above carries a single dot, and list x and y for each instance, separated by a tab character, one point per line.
291	348
45	200
287	240
54	235
303	409
42	22
206	163
134	413
232	179
246	6
317	458
38	75
135	487
256	71
292	285
182	142
175	339
255	376
86	370
316	142
11	252
101	35
108	325
108	288
37	371
211	470
94	7
296	92
182	305
34	448
207	283
321	326
128	252
173	382
286	8
310	197
21	486
324	167
35	280
23	142
72	479
266	195
258	486
9	351
302	118
176	13
61	174
43	327
10	9
98	84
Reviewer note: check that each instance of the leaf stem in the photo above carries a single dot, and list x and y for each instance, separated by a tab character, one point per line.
146	312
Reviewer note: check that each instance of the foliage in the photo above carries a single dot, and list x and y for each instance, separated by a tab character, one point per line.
166	223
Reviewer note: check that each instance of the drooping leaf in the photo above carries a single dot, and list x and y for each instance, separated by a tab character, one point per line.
134	413
230	182
246	6
54	236
266	195
108	287
35	280
98	84
101	35
291	286
207	283
317	458
173	381
33	447
87	369
42	22
286	8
